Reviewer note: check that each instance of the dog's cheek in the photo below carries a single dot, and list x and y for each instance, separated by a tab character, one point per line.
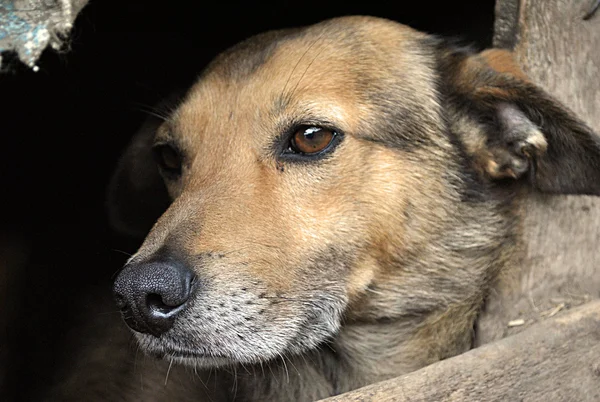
354	205
383	192
361	276
245	320
401	195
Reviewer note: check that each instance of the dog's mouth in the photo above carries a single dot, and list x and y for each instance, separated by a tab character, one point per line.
166	354
166	351
187	355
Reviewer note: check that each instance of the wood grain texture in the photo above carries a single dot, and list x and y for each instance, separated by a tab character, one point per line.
555	360
560	52
557	49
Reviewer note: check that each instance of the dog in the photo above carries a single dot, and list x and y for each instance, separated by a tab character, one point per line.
330	206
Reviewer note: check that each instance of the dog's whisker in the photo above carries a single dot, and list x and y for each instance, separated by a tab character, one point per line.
162	112
305	71
245	368
114	274
121	252
210	371
153	114
235	382
273	376
293	365
168	371
287	374
298	62
205	385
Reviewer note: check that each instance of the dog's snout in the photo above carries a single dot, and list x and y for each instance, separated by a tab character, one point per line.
152	294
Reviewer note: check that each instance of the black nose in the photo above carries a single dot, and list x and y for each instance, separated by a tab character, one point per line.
152	294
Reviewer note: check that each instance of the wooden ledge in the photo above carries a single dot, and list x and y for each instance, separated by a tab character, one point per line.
554	360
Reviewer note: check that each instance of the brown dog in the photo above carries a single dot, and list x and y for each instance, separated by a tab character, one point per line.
342	198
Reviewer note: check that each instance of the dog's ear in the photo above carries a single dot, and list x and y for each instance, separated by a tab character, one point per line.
512	129
136	194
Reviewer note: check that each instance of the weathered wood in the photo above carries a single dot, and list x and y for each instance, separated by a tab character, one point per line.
555	360
557	48
561	263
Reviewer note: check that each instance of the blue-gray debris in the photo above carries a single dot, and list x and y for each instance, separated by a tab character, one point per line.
28	26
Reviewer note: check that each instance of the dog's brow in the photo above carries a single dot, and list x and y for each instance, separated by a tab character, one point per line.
280	104
283	91
165	133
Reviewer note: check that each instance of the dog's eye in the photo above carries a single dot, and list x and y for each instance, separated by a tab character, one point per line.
311	140
168	159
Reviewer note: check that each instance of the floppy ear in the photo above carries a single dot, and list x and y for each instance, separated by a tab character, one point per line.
136	194
513	130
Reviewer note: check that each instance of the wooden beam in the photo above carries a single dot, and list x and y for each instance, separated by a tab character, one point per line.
560	51
554	360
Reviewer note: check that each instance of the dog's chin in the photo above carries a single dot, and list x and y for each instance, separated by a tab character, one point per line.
163	350
194	359
198	357
172	350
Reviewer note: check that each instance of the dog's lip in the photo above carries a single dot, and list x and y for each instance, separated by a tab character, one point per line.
166	352
193	355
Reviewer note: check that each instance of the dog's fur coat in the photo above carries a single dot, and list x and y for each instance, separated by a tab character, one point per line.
322	275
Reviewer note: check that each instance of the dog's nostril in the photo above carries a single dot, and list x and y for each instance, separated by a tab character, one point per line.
155	303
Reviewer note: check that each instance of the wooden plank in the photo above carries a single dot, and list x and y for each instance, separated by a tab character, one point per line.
559	51
556	48
555	360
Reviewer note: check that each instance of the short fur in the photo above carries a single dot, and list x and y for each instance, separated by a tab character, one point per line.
320	277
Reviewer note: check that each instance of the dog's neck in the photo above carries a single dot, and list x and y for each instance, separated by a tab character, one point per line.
362	353
419	310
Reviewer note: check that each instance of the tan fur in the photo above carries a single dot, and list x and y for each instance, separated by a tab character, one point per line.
369	263
239	197
503	61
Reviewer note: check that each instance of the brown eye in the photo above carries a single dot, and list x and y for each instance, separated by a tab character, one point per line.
311	140
168	159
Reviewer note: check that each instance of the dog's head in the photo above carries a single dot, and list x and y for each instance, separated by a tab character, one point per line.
307	167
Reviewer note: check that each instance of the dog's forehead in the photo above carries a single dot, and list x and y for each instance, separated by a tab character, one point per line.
351	39
338	67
